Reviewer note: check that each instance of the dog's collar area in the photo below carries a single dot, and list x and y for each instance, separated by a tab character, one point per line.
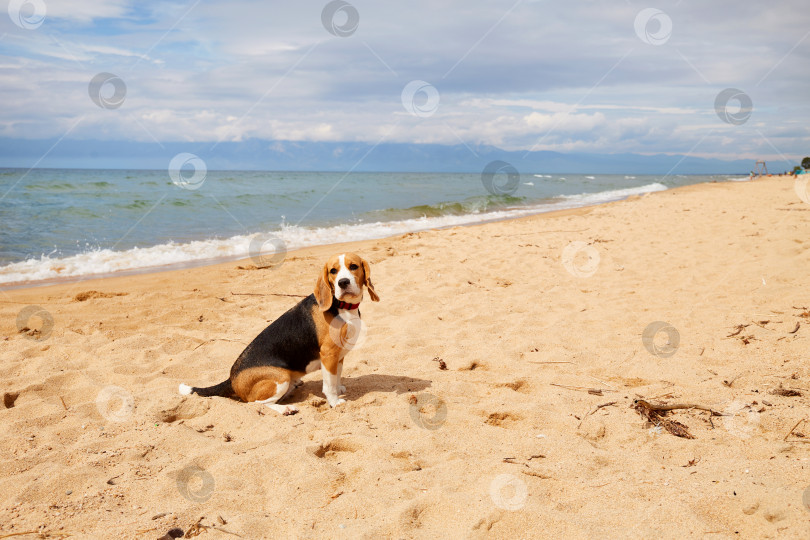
344	305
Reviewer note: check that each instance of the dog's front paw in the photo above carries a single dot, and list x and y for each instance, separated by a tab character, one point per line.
335	402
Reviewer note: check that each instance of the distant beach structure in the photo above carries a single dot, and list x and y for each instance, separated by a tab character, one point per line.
760	169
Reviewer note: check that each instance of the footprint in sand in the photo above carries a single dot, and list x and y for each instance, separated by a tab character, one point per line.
331	449
184	410
9	398
502	419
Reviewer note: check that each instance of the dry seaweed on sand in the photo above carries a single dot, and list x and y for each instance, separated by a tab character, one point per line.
196	529
656	416
442	364
785	392
739	328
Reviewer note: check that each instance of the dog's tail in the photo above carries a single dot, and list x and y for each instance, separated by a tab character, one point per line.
223	389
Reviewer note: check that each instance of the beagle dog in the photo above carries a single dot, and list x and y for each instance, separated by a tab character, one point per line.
317	332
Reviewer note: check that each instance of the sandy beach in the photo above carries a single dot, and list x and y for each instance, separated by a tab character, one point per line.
550	328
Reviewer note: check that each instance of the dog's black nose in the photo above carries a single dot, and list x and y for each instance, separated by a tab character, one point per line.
343	283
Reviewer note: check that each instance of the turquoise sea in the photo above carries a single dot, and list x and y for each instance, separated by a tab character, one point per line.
69	223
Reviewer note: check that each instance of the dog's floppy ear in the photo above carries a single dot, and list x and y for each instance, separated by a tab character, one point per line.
323	290
369	285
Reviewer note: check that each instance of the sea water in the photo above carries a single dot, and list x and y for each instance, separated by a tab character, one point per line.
70	223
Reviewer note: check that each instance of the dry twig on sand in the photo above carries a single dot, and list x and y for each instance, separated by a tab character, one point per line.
215	339
608	404
740	328
674	406
796	329
793	429
730	382
594	391
762	324
656	414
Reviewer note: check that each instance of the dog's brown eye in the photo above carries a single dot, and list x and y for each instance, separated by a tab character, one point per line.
333	271
353	266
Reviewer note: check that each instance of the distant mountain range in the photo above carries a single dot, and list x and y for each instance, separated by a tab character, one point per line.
257	154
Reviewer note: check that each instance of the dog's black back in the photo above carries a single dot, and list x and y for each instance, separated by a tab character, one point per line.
290	342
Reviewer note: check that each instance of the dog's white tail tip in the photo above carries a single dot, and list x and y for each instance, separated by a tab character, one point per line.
184	389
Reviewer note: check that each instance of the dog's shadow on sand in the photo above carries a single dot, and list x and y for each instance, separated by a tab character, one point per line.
357	387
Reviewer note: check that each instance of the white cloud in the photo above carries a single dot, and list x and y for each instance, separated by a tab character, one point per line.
571	76
88	50
564	122
85	11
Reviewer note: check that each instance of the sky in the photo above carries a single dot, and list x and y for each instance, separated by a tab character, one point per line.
716	79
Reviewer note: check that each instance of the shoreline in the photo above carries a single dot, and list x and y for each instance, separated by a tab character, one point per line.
185	265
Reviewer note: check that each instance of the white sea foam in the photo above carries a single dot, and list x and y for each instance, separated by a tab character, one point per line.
614	195
106	261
